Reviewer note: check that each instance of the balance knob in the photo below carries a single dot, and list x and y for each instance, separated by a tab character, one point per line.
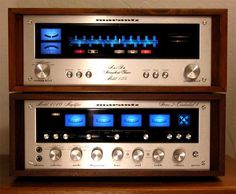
138	155
179	155
158	155
42	70
55	154
191	72
96	154
76	154
117	154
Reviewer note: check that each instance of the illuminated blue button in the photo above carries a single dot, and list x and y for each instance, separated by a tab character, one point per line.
50	34
131	120
75	120
50	48
103	120
159	120
184	119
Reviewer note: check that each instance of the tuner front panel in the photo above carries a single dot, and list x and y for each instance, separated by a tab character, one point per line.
117	50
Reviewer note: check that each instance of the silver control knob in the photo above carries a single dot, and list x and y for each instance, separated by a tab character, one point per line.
76	154
117	154
55	154
158	155
179	155
42	70
138	155
191	72
96	154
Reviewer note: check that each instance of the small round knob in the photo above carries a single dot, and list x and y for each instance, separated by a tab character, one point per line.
191	72
179	155
138	155
96	154
55	154
42	70
117	154
76	154
158	155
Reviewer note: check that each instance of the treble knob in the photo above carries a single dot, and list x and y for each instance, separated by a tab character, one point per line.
42	70
158	155
55	154
191	72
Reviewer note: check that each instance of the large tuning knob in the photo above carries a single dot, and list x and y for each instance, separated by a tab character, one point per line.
191	72
42	70
55	154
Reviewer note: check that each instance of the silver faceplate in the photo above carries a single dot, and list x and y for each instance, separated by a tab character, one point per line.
202	161
117	67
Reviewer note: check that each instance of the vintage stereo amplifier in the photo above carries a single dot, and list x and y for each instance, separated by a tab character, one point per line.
117	50
117	134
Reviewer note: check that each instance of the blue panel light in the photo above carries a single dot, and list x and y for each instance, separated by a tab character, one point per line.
75	120
183	120
50	48
49	34
131	120
103	120
159	120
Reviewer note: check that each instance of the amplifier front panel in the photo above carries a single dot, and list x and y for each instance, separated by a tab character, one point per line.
183	145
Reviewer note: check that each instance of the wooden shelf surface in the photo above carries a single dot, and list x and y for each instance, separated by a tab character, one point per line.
177	185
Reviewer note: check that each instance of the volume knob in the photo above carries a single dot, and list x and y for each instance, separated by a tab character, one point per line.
55	154
191	72
138	155
179	155
76	154
42	70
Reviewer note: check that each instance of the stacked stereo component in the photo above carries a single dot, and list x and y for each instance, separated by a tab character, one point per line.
117	92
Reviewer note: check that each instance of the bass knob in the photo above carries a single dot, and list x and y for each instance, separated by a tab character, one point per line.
42	70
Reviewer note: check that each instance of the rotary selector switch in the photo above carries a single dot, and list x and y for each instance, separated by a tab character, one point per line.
158	155
138	155
55	154
191	72
42	70
179	155
117	154
76	154
96	154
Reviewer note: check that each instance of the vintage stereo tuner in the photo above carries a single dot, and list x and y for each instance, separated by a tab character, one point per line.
117	134
118	50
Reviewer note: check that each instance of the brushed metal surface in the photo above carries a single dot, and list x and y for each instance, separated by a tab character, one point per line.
98	68
202	161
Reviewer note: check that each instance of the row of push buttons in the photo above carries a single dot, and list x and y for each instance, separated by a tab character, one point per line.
79	74
179	136
155	74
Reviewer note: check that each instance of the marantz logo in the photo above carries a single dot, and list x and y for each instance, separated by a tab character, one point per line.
118	20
